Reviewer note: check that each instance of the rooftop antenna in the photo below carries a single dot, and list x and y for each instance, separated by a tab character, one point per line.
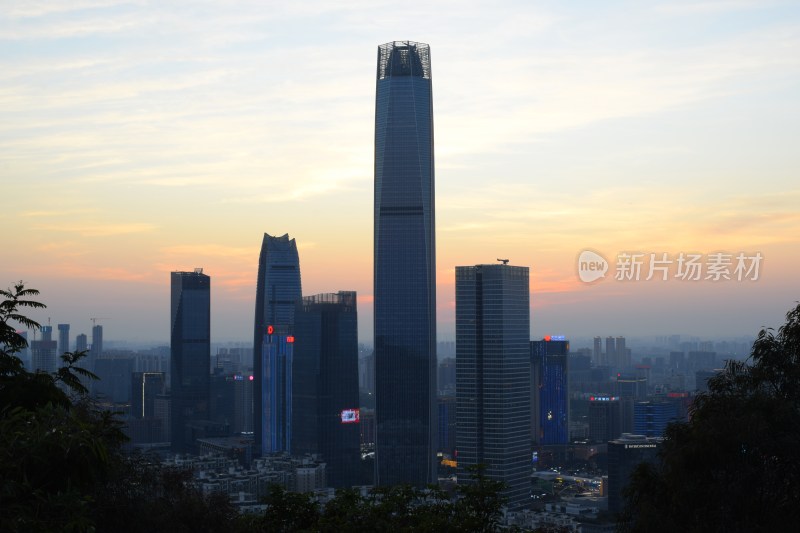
504	261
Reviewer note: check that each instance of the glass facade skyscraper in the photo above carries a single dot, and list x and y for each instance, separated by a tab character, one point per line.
190	353
277	290
550	371
493	376
405	267
325	399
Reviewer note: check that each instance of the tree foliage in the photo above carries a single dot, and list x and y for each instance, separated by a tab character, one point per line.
734	466
55	447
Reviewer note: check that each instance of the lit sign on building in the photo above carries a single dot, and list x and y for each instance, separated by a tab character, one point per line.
350	416
603	398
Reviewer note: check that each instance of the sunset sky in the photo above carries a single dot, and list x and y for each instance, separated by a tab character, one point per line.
138	138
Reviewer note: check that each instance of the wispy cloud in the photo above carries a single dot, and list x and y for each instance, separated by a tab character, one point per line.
100	229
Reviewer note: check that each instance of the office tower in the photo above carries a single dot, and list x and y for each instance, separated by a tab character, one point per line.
222	398
623	456
81	343
447	424
63	338
622	353
676	360
190	359
447	377
597	352
145	386
651	418
97	343
404	267
325	399
243	403
114	383
43	355
277	289
47	333
493	376
605	418
550	380
275	429
610	357
366	381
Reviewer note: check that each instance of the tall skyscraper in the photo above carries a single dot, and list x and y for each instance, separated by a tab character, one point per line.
277	290
63	338
493	376
597	352
611	352
325	399
623	361
97	346
550	369
405	267
145	387
277	383
81	343
190	359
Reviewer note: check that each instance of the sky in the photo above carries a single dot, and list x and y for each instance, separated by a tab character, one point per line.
139	138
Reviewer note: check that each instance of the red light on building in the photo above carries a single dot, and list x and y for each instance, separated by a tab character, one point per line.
289	339
251	378
547	338
270	330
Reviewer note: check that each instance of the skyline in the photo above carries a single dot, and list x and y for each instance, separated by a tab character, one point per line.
138	140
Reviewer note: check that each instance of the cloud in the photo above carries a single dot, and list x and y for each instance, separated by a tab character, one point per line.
101	229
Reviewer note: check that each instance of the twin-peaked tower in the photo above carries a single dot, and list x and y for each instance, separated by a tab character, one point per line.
277	291
404	267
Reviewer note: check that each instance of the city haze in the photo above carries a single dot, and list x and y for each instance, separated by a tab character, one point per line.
140	139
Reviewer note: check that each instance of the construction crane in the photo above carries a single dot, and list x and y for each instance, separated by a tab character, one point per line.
94	319
504	261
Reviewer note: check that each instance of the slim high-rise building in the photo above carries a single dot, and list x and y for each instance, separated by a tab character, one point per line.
63	338
611	352
145	387
550	370
190	359
277	387
493	376
97	346
277	290
405	267
81	343
622	353
597	352
325	399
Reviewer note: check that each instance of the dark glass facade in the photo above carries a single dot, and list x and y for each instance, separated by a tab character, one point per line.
624	454
325	399
145	386
550	363
276	400
493	376
190	359
277	289
405	267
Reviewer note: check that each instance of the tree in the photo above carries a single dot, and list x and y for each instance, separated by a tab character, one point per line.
55	447
734	466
